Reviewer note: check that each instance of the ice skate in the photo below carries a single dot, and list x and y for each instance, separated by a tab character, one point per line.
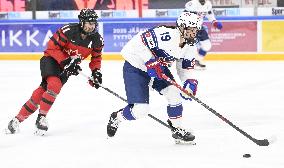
41	125
113	124
13	126
199	65
181	136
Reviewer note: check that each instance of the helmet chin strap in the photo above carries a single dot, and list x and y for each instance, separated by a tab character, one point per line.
181	32
82	28
83	32
190	41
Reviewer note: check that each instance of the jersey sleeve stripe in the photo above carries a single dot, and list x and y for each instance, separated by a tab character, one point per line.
60	37
56	42
95	57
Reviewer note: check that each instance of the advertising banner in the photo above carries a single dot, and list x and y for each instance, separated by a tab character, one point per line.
274	11
116	35
26	37
226	11
272	36
236	36
230	39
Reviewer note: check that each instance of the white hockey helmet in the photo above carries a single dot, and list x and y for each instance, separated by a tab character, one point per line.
188	19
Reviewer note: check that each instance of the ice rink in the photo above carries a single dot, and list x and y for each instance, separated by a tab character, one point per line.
248	93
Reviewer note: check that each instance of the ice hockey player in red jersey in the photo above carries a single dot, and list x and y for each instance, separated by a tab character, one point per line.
66	48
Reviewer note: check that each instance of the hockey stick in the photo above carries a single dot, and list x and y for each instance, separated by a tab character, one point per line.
263	142
123	99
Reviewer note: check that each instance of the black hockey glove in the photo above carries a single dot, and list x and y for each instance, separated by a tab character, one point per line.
71	66
96	78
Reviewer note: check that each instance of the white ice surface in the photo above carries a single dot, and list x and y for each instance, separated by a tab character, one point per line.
250	94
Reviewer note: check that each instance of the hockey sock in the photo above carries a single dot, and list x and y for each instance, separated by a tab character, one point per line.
175	114
31	105
134	111
54	86
127	112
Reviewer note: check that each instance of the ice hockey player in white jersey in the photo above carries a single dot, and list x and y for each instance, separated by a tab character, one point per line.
204	9
147	56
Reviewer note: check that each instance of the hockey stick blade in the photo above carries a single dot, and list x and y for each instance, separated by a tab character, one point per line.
263	142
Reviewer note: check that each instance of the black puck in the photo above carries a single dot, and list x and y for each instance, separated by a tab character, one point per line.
246	155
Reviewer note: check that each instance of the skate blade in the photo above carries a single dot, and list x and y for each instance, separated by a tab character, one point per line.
7	131
39	132
181	142
199	68
108	137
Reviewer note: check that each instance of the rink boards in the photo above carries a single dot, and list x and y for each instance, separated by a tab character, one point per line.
242	38
114	56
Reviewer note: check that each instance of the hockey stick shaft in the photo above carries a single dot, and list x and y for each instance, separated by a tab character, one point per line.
263	142
123	99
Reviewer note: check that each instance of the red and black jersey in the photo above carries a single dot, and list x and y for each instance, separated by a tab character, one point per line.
67	41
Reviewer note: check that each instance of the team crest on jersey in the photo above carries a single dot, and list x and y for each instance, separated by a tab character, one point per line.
149	39
75	53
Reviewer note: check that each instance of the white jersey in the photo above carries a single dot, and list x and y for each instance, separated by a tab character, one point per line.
161	40
202	10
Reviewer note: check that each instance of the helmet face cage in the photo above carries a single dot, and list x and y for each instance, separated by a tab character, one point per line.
88	15
188	20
